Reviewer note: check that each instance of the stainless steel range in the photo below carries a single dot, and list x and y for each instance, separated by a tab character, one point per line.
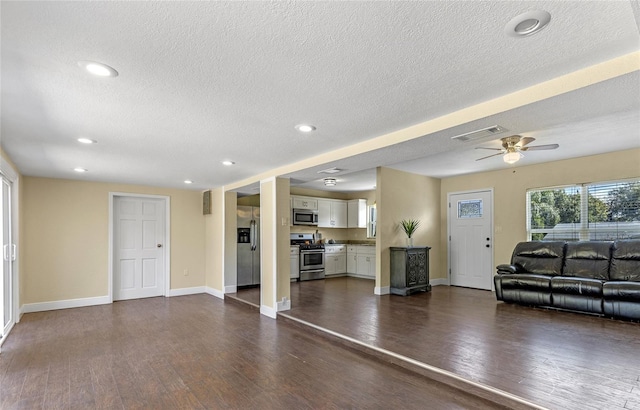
311	256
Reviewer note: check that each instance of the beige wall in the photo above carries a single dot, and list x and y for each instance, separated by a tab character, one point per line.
283	246
402	195
510	187
65	235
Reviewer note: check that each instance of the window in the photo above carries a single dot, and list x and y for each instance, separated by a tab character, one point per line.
598	212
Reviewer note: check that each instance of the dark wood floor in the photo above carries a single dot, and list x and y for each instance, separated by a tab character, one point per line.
559	360
194	352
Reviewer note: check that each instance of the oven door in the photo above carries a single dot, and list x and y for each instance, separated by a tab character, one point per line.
311	259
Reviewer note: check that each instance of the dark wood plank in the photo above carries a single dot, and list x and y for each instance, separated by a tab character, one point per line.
553	358
198	352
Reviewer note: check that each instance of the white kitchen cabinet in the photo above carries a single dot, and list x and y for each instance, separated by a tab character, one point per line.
335	259
304	202
332	213
366	266
357	213
361	261
352	259
295	262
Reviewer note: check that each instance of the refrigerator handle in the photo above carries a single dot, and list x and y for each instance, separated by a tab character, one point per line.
252	234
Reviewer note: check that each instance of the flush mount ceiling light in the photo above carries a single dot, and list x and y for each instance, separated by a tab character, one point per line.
512	157
188	181
330	182
80	169
228	163
87	141
98	69
305	128
527	23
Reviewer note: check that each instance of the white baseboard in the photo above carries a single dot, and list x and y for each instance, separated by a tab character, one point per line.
267	311
64	304
186	291
284	304
231	289
439	282
381	290
214	292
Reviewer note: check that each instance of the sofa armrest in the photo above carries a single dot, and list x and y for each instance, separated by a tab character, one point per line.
507	269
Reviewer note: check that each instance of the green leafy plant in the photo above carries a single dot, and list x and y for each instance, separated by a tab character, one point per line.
409	226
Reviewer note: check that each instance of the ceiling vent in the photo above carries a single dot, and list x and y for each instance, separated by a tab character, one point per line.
333	170
485	132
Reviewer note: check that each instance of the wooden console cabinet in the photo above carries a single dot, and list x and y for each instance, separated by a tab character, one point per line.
409	270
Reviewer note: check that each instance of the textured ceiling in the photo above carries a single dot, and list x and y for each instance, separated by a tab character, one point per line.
201	82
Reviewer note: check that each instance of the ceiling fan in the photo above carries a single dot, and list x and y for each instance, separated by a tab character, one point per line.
512	147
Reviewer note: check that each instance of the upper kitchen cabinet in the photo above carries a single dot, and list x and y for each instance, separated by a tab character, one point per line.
357	213
304	202
332	213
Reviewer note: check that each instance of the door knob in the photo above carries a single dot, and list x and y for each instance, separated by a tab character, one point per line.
488	246
159	245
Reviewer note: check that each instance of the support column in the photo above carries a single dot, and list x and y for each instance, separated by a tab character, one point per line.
274	245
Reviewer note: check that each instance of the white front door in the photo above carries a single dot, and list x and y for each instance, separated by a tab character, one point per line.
138	248
471	240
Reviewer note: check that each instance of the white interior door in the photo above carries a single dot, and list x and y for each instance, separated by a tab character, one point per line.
471	239
139	235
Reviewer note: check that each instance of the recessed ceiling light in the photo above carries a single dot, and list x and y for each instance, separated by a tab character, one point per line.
188	181
98	69
305	128
527	23
228	163
80	169
87	141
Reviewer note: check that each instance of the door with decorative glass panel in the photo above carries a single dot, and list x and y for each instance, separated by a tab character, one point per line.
471	239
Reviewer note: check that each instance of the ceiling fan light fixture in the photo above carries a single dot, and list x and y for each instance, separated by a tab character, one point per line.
512	157
330	182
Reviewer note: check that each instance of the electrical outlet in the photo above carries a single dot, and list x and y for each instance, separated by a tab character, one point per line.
186	272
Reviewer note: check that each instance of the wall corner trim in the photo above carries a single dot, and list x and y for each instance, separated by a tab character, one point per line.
65	304
186	291
268	311
439	282
381	290
214	292
284	304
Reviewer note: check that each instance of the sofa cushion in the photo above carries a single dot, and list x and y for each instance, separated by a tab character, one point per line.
622	299
526	281
614	290
539	257
587	259
576	286
625	260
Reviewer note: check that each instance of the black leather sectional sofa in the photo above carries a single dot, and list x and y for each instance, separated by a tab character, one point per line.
592	276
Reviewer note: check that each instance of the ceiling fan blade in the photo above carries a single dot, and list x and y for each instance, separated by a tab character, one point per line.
493	155
540	147
493	149
526	140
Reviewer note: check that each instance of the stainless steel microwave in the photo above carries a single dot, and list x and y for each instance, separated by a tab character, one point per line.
304	217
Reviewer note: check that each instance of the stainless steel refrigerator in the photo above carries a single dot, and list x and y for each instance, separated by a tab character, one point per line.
248	245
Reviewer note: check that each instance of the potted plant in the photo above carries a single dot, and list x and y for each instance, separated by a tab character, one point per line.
409	226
